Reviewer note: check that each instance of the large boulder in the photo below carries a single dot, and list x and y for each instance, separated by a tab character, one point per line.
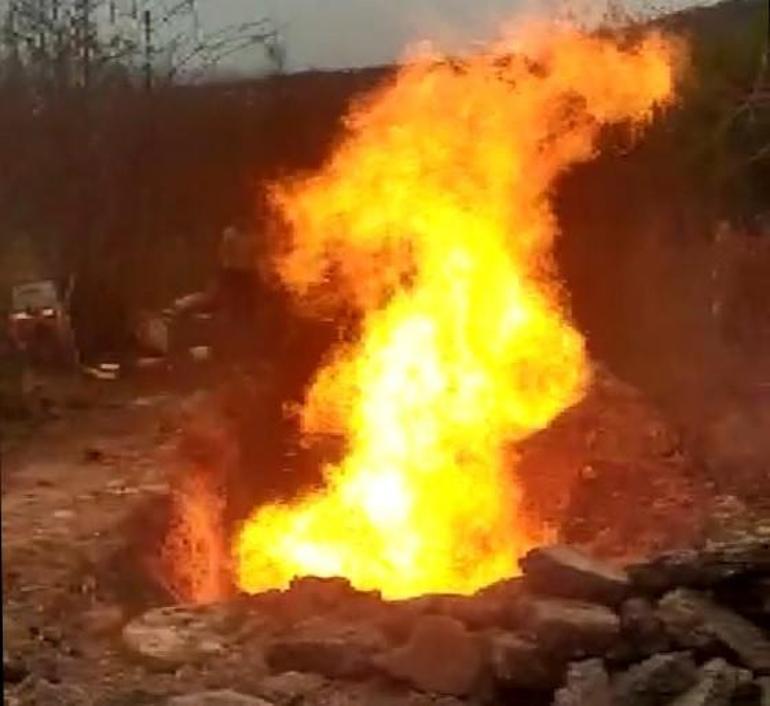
587	684
570	628
441	656
655	681
564	571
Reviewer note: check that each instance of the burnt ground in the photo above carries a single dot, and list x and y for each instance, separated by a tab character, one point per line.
83	488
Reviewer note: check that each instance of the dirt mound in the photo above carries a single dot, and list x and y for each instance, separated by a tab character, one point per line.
613	473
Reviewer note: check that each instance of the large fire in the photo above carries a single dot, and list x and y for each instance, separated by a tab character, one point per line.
433	220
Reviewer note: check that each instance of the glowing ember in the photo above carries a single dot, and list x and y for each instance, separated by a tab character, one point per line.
434	219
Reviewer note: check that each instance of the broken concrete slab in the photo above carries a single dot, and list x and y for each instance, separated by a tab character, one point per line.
680	613
718	682
166	638
703	568
642	627
517	661
441	656
587	684
564	571
570	628
692	619
656	680
323	646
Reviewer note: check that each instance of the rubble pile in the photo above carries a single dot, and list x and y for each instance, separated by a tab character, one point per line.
687	628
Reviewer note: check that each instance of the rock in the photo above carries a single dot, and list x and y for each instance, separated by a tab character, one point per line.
323	646
290	687
224	697
310	596
516	661
92	454
102	620
692	619
751	595
478	612
717	684
563	571
166	638
764	688
587	684
441	656
570	628
321	593
680	613
63	515
704	568
45	693
373	693
656	680
642	628
475	612
14	669
132	697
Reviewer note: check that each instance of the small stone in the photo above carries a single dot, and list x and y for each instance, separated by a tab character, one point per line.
764	688
656	680
587	684
103	620
92	454
223	697
14	669
563	571
570	628
518	662
46	693
290	687
441	656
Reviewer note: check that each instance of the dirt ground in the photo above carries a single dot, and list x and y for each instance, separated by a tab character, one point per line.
69	485
76	487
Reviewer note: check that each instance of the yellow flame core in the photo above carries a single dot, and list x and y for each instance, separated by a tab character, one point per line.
433	218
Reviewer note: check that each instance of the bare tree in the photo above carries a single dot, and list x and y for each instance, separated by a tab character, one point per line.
70	43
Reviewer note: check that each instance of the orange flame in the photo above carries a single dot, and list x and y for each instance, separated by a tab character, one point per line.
433	219
193	555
